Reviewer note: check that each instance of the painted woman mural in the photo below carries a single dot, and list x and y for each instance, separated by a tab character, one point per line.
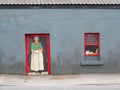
37	63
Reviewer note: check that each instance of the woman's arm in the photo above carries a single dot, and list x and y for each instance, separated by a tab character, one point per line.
32	50
41	49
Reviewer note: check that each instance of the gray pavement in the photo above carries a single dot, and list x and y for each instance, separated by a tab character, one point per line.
60	80
81	87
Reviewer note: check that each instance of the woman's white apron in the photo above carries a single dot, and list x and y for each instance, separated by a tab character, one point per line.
37	61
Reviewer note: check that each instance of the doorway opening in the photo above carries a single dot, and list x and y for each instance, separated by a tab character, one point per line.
37	54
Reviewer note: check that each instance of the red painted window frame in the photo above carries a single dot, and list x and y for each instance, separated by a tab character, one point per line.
27	51
98	34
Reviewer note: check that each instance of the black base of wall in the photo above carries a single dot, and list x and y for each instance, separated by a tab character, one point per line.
60	6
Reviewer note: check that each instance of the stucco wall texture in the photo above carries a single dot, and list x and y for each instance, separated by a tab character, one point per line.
66	28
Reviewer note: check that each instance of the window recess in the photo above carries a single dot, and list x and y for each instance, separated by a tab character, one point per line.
91	44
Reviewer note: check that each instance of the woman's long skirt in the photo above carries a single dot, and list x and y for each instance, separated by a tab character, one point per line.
37	61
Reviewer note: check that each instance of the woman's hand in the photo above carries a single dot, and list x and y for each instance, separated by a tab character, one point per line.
41	49
32	50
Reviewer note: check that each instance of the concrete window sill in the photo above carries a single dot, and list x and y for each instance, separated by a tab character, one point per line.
92	63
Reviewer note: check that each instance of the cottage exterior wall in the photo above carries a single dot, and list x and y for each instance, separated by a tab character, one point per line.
66	28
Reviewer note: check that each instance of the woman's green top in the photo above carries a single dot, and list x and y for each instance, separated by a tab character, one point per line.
36	47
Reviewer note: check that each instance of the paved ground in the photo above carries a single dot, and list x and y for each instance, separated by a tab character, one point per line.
60	80
81	87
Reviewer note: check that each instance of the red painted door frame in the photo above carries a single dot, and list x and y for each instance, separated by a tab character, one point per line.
27	51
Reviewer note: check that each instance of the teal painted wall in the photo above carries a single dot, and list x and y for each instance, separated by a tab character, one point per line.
66	28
